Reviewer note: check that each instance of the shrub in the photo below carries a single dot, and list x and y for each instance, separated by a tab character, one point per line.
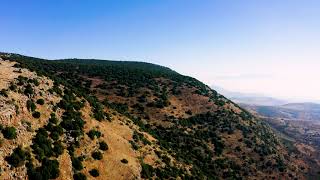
94	173
189	112
58	129
40	101
94	133
50	169
12	87
58	148
124	161
53	119
79	176
97	155
140	137
36	114
4	93
54	136
29	90
31	106
9	133
76	163
42	145
36	82
103	146
134	145
17	158
220	103
147	171
21	80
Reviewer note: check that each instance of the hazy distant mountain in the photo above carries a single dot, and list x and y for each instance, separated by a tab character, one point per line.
272	107
312	107
291	111
250	98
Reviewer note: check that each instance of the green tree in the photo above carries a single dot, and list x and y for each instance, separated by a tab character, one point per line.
9	132
31	106
103	146
94	172
36	114
94	133
17	158
79	176
40	101
28	90
97	155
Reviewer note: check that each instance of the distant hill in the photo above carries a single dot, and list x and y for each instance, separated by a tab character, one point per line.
298	123
309	107
250	98
291	111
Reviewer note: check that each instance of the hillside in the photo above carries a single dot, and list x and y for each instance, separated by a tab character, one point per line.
78	119
298	124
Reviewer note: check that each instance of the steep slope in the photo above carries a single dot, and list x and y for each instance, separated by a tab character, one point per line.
298	125
176	126
57	142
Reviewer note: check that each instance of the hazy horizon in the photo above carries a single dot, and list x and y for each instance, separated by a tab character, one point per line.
265	47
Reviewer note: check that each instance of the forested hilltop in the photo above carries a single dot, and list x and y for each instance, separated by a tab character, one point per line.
127	120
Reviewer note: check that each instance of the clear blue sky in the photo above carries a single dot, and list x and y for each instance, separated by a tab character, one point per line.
261	46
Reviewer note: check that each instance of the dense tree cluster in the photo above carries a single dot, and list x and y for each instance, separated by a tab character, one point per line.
18	157
49	169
